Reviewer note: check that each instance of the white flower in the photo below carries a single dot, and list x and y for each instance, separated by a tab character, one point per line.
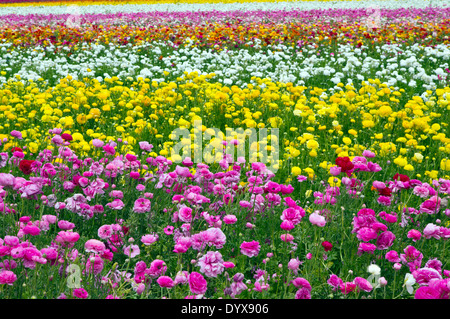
409	282
374	269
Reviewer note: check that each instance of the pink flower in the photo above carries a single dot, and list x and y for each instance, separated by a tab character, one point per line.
366	248
67	237
142	205
347	287
317	219
94	264
16	134
165	282
301	283
426	274
287	225
286	238
97	143
211	264
335	282
228	264
116	204
414	234
157	268
384	200
294	264
149	239
366	234
185	214
80	293
94	246
6	180
431	230
293	214
132	251
335	170
303	293
31	230
368	154
197	283
65	225
230	219
385	240
250	249
7	277
105	231
426	292
392	256
168	230
363	284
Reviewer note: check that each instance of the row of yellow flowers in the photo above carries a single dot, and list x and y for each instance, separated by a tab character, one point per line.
310	123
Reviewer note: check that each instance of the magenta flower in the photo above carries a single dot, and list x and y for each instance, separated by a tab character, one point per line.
185	214
197	283
165	282
426	292
385	240
250	249
7	277
80	293
414	234
363	284
157	268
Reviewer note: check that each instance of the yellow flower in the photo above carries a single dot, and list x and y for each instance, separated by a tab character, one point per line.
296	170
445	164
312	144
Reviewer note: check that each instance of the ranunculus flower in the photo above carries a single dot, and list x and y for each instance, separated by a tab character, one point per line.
165	282
327	245
80	293
250	249
25	166
197	283
317	219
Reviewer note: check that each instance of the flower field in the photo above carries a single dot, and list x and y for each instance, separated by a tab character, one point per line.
224	149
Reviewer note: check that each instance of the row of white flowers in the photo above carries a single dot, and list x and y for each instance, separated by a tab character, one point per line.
396	65
244	6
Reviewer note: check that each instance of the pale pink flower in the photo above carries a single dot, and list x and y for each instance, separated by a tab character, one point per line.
317	219
149	239
94	246
211	264
132	251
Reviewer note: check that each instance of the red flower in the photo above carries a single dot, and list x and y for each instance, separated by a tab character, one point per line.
401	177
385	191
25	166
327	245
66	137
16	149
344	163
